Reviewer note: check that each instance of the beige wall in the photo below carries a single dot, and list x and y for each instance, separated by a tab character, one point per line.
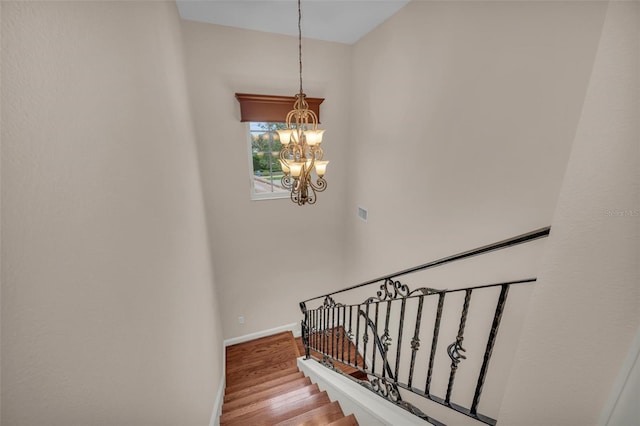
109	310
585	310
464	120
268	255
465	117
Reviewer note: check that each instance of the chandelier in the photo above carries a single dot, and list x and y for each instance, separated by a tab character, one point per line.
301	153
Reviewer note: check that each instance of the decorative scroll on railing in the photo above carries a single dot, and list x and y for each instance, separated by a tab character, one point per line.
386	332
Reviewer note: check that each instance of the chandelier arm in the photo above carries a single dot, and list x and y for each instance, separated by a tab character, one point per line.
319	186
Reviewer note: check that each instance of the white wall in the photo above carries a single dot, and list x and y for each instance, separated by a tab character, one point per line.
109	309
463	125
586	307
268	255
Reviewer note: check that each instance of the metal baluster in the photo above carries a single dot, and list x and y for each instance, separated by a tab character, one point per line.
336	330
434	342
312	328
357	336
399	344
333	328
386	340
455	348
321	336
415	342
350	343
365	338
344	329
373	358
490	342
326	331
322	322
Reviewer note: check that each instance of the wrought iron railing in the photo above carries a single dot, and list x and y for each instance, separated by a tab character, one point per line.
386	331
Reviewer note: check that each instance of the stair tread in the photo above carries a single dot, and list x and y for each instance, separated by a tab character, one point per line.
266	393
252	380
261	385
270	415
322	415
275	403
349	420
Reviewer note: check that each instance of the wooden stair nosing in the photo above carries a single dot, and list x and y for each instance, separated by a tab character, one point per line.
322	415
349	420
278	402
249	390
268	416
266	393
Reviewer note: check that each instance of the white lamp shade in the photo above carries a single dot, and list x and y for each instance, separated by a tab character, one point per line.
285	167
321	167
314	137
285	136
296	169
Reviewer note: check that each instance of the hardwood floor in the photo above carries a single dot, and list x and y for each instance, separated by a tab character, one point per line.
264	387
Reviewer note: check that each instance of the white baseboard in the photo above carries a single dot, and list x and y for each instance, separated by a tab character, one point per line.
294	327
217	407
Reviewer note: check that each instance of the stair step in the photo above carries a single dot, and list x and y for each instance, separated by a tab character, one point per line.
349	420
260	386
242	384
317	417
275	403
257	371
272	414
266	394
255	359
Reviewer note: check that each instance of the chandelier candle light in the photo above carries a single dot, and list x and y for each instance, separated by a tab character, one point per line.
301	153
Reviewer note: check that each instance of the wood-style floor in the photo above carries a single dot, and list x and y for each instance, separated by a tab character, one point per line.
264	387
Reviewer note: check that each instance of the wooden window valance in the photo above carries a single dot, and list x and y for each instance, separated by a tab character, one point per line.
270	107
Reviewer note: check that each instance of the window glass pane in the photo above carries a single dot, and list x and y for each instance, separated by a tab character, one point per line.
265	153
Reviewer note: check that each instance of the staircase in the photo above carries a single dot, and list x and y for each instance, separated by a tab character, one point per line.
265	387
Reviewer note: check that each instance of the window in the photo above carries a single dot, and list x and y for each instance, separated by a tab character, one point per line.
264	151
266	114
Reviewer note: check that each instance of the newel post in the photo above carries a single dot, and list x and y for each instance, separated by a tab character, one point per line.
305	329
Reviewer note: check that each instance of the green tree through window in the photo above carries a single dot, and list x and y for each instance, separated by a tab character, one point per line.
265	150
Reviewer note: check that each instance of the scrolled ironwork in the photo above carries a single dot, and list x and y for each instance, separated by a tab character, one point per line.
392	290
329	303
385	388
386	340
326	361
415	343
454	349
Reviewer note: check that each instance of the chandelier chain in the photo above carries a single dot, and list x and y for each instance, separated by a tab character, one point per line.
300	43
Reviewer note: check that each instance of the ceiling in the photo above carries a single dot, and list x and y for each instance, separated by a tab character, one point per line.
343	21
